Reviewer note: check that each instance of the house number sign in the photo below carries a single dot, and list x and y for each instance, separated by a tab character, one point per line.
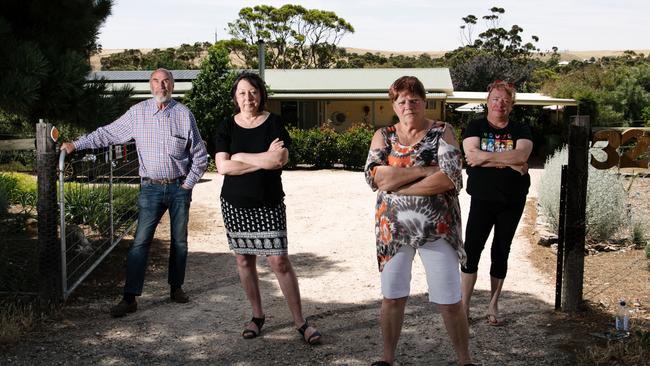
630	158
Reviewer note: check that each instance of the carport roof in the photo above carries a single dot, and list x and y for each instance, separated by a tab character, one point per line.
521	99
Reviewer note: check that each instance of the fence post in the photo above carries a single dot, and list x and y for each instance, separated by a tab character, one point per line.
49	252
576	202
561	238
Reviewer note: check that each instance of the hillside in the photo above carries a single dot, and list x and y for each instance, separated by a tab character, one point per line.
565	55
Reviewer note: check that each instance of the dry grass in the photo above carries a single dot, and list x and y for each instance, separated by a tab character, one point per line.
631	351
608	276
15	321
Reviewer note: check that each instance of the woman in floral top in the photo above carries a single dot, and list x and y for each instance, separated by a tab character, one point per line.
415	166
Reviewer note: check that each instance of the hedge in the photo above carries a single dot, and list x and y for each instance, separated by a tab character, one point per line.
325	148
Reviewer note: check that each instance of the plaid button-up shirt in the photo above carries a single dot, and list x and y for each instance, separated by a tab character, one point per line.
168	141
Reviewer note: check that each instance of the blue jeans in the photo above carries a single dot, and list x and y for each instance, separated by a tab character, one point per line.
154	200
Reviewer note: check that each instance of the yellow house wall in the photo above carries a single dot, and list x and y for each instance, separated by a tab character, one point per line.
383	113
380	112
352	109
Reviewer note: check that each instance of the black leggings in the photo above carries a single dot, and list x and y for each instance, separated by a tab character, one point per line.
483	215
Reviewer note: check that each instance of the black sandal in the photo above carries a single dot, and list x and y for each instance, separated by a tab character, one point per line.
250	333
380	363
313	338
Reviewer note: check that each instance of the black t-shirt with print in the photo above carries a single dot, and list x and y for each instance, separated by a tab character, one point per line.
497	184
262	187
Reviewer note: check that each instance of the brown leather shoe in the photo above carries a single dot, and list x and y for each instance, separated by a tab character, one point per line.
123	308
179	296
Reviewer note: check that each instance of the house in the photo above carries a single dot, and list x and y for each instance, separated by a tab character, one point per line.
309	98
343	97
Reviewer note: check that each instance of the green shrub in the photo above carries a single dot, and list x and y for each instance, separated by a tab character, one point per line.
297	151
639	234
606	198
212	165
17	184
7	188
86	205
17	188
353	145
8	185
315	147
4	202
323	147
20	189
125	203
90	205
21	161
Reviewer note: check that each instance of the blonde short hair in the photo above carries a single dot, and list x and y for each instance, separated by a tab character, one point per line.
504	85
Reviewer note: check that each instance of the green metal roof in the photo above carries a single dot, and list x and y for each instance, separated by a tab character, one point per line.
331	84
310	81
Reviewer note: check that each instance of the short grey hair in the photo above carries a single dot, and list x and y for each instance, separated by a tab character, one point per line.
162	69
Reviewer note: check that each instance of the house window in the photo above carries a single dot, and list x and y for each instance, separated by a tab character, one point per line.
431	104
289	112
301	114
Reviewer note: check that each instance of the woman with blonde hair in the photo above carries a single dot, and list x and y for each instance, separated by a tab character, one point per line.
496	150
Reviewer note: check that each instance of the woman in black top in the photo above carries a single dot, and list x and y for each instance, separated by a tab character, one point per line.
251	148
497	152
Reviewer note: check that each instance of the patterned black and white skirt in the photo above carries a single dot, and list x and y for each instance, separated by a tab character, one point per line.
256	230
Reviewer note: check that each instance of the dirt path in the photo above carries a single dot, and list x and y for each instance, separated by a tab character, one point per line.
330	218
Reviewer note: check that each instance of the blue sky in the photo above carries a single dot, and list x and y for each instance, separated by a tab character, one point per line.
412	25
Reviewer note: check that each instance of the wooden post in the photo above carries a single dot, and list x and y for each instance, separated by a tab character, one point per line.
576	202
561	239
49	264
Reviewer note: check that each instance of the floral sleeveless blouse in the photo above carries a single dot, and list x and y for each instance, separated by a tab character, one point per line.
416	220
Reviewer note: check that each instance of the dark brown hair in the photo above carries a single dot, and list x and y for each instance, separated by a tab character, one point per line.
255	81
410	84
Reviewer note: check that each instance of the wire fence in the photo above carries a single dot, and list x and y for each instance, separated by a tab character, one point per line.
56	228
18	232
98	192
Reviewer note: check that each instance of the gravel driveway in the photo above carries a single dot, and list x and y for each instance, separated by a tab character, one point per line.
330	223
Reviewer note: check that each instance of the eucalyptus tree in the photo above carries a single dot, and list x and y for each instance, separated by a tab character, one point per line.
615	90
497	53
295	37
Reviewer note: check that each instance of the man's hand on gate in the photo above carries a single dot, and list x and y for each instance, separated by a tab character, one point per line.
68	147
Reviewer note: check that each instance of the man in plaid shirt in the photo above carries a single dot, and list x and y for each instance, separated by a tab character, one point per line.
172	159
